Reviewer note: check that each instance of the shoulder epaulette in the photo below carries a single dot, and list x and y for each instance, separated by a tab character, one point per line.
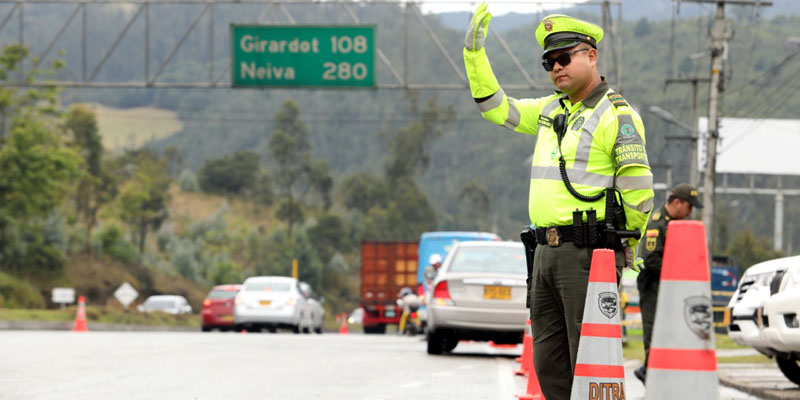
617	100
656	216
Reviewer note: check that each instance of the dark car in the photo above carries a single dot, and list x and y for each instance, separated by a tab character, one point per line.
218	308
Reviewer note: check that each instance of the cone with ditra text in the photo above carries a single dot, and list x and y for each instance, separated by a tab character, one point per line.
80	317
533	391
599	368
343	327
682	363
526	359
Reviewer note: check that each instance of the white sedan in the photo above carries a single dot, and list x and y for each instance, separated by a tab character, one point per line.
478	294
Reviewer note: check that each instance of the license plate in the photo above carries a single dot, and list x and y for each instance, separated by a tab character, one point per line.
497	292
390	313
265	302
226	318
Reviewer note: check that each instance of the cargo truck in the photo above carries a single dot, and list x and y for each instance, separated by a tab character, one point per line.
386	267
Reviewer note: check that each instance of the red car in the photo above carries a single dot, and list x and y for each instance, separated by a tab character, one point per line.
218	308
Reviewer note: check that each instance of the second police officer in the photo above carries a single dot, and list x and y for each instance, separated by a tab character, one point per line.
590	149
679	205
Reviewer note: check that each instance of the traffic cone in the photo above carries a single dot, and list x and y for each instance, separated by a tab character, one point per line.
524	335
533	391
599	368
343	327
526	360
80	317
682	361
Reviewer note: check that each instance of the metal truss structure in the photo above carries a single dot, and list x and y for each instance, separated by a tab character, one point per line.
88	61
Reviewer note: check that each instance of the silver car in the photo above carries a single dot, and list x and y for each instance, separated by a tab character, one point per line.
315	310
271	302
170	304
478	294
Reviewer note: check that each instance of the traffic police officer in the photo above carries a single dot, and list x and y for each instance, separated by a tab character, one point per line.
678	206
588	139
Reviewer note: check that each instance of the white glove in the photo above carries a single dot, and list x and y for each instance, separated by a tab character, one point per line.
478	28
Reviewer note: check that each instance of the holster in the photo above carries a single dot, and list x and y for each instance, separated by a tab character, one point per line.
528	238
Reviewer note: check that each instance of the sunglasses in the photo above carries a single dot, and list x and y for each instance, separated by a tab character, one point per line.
563	60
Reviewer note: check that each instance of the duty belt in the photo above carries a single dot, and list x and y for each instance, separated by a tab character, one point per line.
554	236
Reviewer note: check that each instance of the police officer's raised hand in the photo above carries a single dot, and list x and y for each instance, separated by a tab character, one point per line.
478	28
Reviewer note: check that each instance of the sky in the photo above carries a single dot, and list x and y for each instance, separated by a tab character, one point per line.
496	7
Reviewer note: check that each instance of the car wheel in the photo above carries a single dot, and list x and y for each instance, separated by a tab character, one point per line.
380	328
272	329
789	368
435	343
318	329
206	328
296	329
253	329
450	344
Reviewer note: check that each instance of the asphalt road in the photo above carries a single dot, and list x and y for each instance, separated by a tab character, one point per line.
150	365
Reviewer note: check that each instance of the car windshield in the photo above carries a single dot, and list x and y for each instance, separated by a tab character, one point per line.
160	304
222	294
268	286
507	260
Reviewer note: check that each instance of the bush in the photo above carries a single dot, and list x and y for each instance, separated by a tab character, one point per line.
111	242
187	181
226	272
16	293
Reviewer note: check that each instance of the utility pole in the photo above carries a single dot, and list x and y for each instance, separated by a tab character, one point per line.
718	45
695	115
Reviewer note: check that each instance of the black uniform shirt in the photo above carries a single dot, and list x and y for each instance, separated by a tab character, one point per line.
655	236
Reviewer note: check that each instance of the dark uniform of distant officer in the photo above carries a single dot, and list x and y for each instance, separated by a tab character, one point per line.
590	151
678	206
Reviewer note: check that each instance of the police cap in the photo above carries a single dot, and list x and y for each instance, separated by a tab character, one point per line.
688	193
558	31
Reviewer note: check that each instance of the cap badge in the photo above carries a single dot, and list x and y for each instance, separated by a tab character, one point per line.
548	25
693	193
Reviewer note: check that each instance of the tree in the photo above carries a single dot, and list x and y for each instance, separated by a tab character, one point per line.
95	188
642	28
363	191
297	171
747	249
408	147
230	174
143	199
474	202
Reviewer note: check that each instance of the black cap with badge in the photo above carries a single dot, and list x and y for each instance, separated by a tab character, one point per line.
688	193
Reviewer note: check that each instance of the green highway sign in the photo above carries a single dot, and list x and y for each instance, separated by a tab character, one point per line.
303	56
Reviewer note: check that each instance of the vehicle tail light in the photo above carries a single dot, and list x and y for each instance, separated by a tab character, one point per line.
291	302
207	303
441	294
238	300
421	290
413	315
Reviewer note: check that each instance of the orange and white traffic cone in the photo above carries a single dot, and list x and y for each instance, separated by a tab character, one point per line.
343	327
526	360
599	368
683	361
526	333
533	391
80	317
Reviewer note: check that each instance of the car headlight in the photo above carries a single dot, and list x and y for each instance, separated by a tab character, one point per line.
793	281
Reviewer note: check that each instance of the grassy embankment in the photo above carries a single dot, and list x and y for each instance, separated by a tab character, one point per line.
634	349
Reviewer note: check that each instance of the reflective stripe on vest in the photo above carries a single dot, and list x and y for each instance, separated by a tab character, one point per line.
492	102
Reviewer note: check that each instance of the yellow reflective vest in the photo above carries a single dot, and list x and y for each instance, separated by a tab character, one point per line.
604	137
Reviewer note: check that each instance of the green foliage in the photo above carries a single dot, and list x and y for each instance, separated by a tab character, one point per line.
226	272
111	241
38	171
187	181
473	205
230	174
330	236
408	147
143	199
642	28
16	293
363	191
279	252
183	254
747	249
